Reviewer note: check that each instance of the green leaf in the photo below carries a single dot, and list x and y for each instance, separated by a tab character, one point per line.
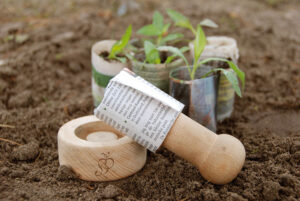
152	54
130	56
233	66
199	43
177	17
120	45
149	30
232	78
158	20
166	28
172	57
121	59
208	23
171	37
184	49
175	51
238	71
180	20
169	59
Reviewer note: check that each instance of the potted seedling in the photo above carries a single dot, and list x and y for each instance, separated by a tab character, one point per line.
226	48
108	59
196	85
149	62
217	47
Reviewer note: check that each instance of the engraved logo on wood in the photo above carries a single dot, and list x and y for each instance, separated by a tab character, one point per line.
105	163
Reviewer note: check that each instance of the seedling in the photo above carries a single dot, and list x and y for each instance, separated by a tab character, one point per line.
153	56
118	50
199	45
182	21
160	36
159	30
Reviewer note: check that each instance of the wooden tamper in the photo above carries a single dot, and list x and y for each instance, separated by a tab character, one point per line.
97	152
147	115
219	158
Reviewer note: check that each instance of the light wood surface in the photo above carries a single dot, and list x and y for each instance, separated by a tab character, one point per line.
219	158
101	136
104	160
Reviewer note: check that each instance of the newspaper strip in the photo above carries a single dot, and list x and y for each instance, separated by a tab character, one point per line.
138	109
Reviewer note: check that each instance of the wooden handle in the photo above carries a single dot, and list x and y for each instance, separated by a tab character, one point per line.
219	158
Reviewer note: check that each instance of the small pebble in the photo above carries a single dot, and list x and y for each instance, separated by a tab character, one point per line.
63	37
21	38
111	191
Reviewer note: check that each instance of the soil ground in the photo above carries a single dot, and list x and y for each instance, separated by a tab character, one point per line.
45	75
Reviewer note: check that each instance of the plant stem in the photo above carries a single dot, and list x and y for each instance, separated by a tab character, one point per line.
192	29
158	40
205	75
192	74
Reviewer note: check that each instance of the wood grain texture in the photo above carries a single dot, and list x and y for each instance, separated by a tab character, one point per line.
98	161
219	158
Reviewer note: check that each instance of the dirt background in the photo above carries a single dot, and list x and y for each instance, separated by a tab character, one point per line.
45	75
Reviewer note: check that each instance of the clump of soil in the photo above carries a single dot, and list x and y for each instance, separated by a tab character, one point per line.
26	152
45	82
104	55
65	174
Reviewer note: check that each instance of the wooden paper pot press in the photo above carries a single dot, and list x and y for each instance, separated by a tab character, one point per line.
102	158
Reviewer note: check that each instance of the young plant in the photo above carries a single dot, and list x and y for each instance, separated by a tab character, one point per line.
199	45
153	56
182	21
118	51
159	30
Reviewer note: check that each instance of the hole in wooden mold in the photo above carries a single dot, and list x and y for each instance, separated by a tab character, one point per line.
91	128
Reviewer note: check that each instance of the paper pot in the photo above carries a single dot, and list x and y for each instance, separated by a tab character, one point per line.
226	48
102	70
157	74
198	95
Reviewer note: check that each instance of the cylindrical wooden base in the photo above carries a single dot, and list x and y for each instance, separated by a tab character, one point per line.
98	161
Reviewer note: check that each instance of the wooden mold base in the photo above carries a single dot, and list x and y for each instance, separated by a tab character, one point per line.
98	161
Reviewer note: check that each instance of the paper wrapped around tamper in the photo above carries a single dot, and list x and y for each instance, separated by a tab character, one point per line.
152	118
138	109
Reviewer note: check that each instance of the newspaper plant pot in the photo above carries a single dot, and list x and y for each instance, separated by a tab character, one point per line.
226	48
157	74
199	95
102	70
